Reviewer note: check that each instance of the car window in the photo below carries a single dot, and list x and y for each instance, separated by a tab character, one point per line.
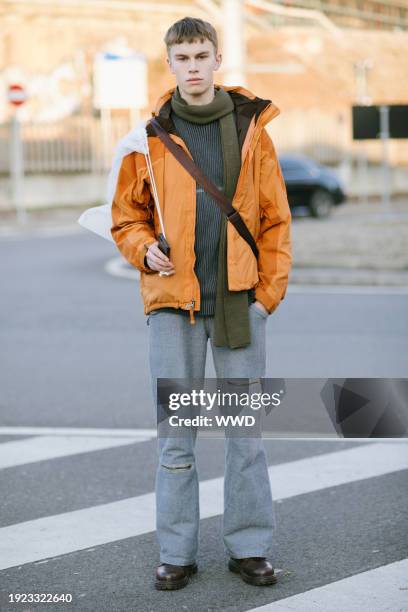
293	163
297	165
289	164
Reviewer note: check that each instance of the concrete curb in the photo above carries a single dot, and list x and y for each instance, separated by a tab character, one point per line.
322	277
347	276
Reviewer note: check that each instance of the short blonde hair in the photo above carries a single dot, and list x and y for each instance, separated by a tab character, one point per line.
190	29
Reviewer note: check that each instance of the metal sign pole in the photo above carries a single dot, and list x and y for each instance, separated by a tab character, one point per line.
234	42
363	179
385	141
17	169
106	130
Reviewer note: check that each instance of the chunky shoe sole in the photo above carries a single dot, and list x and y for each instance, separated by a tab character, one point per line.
233	566
172	585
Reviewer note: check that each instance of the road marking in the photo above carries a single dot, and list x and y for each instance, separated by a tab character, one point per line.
78	431
61	534
383	588
43	448
117	266
144	434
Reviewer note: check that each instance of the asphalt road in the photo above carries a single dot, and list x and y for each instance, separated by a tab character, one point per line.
75	341
77	511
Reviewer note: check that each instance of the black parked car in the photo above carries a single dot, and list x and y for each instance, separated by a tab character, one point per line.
311	184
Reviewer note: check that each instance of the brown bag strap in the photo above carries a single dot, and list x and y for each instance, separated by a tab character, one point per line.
222	201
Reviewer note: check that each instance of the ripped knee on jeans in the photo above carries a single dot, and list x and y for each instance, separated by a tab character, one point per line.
177	468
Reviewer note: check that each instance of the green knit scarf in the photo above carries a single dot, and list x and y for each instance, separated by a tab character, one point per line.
231	319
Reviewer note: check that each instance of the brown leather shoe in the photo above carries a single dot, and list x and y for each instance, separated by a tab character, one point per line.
170	577
254	570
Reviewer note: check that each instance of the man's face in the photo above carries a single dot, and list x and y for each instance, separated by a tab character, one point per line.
194	64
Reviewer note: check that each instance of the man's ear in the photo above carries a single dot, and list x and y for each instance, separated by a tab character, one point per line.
218	60
169	65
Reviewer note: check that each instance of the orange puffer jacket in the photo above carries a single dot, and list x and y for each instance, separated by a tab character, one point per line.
260	197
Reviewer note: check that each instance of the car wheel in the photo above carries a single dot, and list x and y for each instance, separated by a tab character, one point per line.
321	203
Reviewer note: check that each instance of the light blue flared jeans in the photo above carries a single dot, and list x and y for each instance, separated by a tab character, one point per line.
178	349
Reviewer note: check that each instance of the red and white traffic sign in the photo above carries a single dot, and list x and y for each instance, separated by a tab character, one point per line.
16	94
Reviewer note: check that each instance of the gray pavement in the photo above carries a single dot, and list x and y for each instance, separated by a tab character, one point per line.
322	537
72	329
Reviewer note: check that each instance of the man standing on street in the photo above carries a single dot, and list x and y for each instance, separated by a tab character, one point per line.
215	287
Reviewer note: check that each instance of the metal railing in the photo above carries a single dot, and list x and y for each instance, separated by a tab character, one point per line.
85	145
76	144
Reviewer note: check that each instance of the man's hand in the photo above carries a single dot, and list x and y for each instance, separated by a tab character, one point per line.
157	260
261	307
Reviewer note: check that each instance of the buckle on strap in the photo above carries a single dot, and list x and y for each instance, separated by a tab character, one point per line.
230	215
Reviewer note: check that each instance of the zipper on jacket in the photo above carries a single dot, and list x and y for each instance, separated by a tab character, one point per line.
190	305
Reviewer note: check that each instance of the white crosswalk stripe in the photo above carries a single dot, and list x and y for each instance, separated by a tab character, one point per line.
380	589
41	448
103	432
51	536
